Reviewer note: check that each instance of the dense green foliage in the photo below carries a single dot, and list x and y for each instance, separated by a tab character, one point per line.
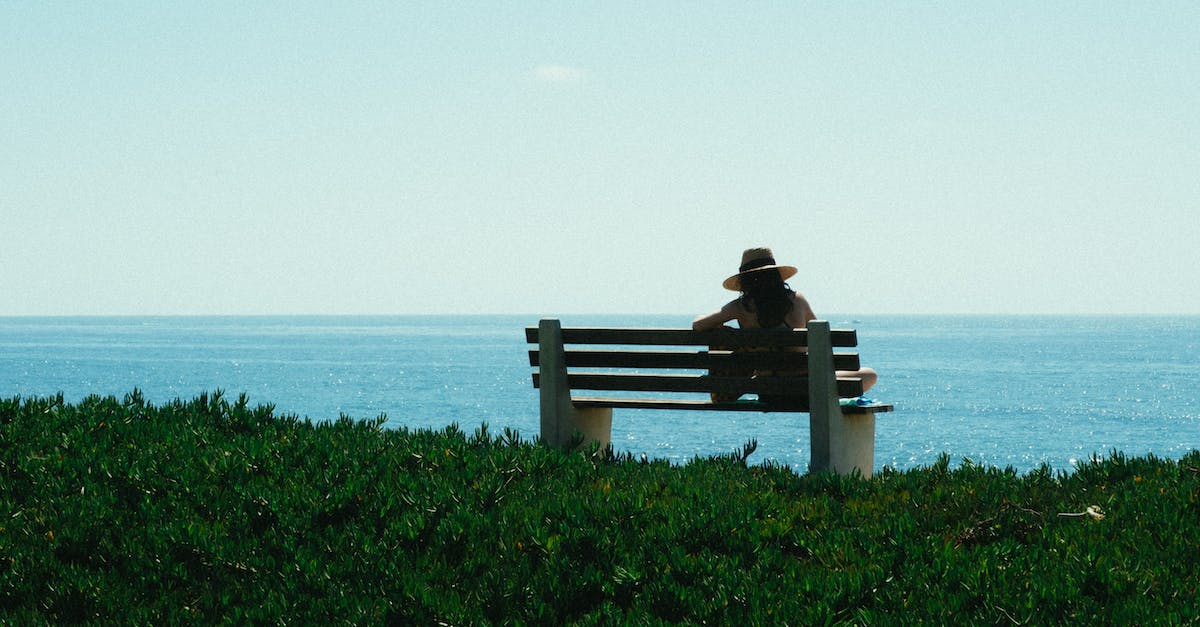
211	511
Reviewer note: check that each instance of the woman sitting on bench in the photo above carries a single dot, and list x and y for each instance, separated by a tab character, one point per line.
766	303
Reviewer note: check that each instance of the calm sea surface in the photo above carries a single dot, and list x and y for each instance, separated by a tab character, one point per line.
999	390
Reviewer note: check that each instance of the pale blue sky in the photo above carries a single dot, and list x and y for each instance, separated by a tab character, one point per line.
556	158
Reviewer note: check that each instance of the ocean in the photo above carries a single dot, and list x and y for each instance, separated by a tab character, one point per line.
1003	391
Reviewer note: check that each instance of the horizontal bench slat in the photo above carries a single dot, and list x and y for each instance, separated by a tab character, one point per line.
695	360
685	337
690	383
874	408
700	405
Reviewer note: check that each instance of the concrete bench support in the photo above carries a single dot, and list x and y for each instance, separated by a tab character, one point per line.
852	444
561	421
840	442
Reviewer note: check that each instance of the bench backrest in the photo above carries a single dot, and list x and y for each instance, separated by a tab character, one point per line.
691	365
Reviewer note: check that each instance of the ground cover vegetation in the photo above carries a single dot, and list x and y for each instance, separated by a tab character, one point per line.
214	511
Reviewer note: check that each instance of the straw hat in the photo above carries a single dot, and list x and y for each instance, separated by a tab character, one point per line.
757	260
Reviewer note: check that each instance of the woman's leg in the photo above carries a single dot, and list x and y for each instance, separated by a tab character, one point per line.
868	376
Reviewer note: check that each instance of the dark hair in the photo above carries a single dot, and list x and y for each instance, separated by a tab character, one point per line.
766	296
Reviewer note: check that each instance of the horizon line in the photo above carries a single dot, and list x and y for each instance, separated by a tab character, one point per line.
1047	314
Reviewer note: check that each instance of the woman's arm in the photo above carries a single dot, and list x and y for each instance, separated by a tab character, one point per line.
717	318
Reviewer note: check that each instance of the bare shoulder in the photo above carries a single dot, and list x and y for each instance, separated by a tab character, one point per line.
802	310
801	302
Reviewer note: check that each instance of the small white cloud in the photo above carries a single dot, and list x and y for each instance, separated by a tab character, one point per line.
557	74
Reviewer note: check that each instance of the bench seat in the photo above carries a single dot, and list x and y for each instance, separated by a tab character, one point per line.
703	405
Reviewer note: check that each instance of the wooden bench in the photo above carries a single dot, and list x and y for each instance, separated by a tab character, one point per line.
670	369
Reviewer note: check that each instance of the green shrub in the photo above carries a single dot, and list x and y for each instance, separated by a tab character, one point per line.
215	511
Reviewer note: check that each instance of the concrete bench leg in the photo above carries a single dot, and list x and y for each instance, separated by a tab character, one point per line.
840	442
852	443
594	424
560	420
